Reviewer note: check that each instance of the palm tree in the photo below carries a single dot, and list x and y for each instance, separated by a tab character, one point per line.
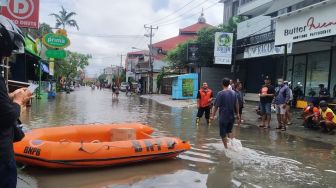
64	18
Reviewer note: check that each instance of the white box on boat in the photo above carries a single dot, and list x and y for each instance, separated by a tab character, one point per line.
122	134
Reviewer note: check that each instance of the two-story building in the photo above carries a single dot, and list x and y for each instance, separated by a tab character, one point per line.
259	54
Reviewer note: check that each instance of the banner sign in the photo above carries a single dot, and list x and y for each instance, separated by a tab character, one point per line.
56	54
51	68
310	24
193	52
24	13
187	87
265	50
55	41
223	48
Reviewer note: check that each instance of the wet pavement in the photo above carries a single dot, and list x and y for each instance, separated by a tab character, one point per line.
260	158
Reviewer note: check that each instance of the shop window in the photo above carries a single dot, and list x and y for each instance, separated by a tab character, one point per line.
333	75
299	71
317	71
289	74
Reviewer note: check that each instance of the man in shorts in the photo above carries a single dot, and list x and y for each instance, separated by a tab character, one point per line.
204	103
281	99
227	103
266	97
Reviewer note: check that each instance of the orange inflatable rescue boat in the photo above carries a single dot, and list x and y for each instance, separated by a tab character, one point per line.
84	146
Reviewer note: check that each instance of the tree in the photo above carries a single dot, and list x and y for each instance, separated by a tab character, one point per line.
64	18
178	57
72	66
206	40
41	31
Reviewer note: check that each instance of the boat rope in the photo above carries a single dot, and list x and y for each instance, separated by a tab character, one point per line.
108	147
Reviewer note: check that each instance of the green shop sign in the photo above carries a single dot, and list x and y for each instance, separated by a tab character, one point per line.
57	54
187	87
55	41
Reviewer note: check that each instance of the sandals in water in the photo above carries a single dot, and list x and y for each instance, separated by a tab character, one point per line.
278	128
267	127
261	126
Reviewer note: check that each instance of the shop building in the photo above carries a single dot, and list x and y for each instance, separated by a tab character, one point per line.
312	31
258	54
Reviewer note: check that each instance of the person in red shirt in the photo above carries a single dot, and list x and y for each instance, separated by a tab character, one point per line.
311	115
204	103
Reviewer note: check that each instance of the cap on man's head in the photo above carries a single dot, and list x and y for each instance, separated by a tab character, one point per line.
323	104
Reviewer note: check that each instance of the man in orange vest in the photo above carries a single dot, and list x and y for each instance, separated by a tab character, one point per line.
204	103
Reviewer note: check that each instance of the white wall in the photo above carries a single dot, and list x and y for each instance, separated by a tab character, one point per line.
254	26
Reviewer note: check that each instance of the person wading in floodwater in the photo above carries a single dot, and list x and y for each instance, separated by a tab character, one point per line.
227	102
204	100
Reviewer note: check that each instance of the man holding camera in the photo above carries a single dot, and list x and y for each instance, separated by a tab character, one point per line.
11	39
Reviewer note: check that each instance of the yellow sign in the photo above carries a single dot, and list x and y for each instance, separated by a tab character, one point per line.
51	68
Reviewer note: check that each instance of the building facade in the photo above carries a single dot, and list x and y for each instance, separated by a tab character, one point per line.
258	54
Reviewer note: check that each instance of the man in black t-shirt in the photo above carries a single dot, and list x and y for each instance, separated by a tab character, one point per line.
266	97
227	103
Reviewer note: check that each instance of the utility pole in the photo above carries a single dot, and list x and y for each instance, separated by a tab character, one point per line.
121	55
150	55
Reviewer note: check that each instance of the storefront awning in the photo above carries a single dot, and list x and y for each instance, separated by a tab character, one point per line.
281	4
30	46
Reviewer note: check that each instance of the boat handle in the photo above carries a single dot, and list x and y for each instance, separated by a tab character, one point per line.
65	140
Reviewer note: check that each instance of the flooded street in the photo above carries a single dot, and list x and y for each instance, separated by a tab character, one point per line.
265	159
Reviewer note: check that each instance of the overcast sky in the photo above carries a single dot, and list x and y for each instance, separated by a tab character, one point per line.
101	20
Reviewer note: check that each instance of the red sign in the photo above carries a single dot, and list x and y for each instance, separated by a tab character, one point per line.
24	13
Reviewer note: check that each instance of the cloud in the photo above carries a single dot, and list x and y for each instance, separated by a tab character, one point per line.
125	17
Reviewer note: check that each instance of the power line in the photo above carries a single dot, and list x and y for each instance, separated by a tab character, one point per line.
163	18
107	36
184	13
189	16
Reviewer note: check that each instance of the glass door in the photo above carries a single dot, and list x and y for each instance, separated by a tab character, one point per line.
299	71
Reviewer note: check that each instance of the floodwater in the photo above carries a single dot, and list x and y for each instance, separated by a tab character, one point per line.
258	159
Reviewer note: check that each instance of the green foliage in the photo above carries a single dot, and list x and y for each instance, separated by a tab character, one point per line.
102	78
178	57
41	31
64	18
206	39
70	67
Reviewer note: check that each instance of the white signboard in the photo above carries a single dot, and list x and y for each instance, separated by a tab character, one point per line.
265	50
223	48
253	26
309	24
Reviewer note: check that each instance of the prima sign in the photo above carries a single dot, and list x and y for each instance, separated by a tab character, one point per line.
311	24
55	41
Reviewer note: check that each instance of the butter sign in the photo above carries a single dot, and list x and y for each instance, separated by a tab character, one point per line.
55	41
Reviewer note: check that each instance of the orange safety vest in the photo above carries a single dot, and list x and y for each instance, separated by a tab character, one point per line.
205	96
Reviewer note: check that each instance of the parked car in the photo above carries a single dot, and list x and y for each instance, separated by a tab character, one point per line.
123	86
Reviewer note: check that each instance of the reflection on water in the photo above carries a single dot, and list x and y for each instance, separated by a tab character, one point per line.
265	158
